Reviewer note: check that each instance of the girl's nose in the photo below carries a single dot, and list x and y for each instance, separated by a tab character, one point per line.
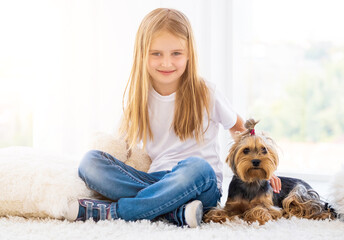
166	62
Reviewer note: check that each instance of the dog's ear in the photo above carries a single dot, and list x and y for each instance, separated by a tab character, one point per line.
271	147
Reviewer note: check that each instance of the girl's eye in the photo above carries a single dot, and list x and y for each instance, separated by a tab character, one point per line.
246	151
156	54
264	151
177	53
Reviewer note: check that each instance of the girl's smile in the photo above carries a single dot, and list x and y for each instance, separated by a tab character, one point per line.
167	61
166	72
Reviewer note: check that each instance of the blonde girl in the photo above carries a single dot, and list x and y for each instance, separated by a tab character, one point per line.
175	115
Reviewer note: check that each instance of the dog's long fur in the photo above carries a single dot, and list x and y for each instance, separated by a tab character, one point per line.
253	159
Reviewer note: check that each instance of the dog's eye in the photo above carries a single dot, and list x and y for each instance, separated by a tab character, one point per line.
246	151
264	151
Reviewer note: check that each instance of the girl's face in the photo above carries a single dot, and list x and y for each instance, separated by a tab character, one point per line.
168	57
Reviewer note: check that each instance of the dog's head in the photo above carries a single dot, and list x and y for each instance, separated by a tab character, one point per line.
252	157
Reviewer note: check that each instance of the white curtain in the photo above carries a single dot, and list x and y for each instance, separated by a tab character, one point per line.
84	55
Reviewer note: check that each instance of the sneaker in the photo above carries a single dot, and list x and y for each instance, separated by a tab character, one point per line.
193	213
189	214
85	209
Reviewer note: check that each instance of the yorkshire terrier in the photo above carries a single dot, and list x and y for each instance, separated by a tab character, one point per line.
253	159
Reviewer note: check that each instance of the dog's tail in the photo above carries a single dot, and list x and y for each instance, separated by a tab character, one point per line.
306	203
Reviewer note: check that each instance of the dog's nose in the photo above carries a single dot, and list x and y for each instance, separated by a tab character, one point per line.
256	162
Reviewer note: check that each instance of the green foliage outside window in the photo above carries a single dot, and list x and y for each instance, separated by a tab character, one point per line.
311	107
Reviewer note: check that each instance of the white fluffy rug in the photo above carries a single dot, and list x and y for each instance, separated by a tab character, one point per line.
37	184
292	229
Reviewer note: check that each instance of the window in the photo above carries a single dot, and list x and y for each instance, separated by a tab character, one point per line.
289	66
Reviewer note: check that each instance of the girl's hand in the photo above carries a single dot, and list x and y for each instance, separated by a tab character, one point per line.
275	183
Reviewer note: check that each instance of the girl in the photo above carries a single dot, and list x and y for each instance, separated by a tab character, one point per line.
175	114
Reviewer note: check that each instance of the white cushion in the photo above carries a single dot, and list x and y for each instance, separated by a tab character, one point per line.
38	184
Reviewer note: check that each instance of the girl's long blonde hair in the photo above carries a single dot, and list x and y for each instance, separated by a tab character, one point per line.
192	96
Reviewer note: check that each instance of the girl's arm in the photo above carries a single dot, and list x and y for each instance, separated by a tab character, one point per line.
238	127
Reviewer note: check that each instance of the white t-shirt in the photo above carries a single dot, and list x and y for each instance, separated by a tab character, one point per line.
166	149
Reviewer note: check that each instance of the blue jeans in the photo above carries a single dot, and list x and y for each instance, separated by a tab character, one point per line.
141	195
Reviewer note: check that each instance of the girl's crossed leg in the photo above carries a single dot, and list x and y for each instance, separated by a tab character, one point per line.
139	195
